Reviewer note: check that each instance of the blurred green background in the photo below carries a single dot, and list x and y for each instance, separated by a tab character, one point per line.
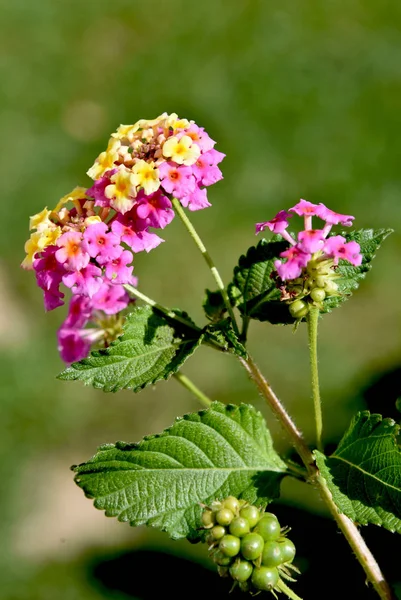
304	98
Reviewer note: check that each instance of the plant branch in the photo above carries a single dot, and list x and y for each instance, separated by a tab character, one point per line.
191	387
279	411
312	322
357	543
194	235
348	528
169	313
283	587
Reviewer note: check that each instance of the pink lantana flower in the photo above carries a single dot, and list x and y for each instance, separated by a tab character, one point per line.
79	311
73	341
311	240
296	260
97	191
71	252
137	238
111	299
98	242
199	136
197	200
49	274
333	218
72	345
86	282
338	248
156	209
176	180
205	169
117	270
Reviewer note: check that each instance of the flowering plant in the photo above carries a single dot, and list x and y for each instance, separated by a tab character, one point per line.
210	476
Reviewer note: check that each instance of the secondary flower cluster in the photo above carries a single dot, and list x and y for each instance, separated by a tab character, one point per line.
88	241
310	262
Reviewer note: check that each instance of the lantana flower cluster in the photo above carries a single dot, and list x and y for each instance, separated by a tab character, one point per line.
309	270
88	240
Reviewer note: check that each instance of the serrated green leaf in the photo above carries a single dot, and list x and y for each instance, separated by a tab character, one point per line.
214	305
253	288
364	473
370	241
223	333
255	293
151	348
208	455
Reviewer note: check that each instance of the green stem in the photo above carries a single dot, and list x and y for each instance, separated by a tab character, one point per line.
283	587
190	386
348	528
169	313
279	411
193	233
312	321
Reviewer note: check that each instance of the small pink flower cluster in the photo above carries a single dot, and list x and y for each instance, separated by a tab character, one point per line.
311	243
89	245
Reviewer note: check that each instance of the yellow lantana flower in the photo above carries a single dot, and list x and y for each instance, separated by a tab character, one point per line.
77	193
182	151
121	190
41	220
105	161
146	175
38	241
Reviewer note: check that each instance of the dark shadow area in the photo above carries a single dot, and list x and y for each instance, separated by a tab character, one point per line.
382	392
328	567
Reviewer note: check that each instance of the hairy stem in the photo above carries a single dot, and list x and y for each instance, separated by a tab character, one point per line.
279	411
358	544
191	387
349	529
194	235
312	321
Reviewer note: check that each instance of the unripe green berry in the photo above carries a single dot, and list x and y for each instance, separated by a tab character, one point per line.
268	527
241	570
231	503
287	549
252	546
223	571
239	526
330	287
318	295
298	309
217	532
224	516
321	282
230	545
271	555
265	578
251	514
208	518
222	559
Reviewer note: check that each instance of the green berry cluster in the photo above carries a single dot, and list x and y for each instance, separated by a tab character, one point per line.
316	283
249	545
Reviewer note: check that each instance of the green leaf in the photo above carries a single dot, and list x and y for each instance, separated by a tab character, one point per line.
255	293
364	473
214	305
254	290
151	348
161	481
223	333
370	241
